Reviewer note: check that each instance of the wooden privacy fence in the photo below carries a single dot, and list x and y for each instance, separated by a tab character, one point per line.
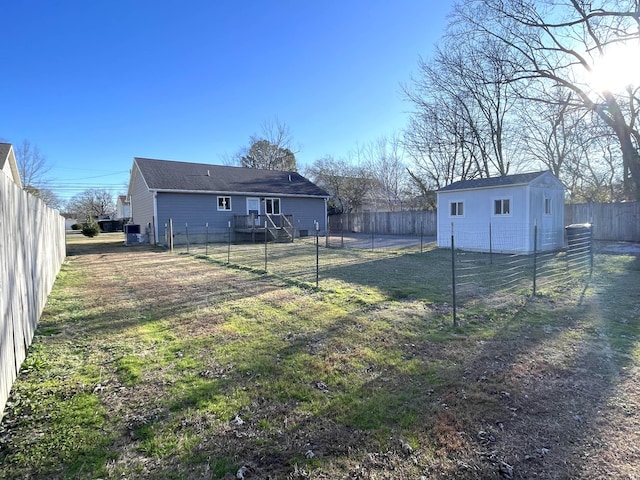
386	223
611	221
32	249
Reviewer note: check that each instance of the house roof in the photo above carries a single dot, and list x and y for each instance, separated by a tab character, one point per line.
8	162
168	175
4	151
493	182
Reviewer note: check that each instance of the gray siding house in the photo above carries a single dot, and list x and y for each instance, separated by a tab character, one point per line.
503	214
222	202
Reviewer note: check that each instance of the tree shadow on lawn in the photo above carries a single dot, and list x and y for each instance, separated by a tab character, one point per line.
425	276
531	400
516	393
558	373
528	386
102	244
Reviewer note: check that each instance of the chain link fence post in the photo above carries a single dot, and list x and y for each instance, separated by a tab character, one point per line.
453	277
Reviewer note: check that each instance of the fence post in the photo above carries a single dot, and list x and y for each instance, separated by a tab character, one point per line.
186	230
490	245
317	255
591	249
171	235
535	256
206	239
453	277
229	243
265	247
421	234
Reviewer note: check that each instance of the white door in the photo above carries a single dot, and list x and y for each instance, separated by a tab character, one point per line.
253	207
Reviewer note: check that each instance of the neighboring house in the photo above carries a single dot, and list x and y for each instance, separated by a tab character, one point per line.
501	214
123	208
223	200
8	163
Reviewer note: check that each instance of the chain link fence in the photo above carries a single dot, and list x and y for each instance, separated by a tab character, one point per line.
460	279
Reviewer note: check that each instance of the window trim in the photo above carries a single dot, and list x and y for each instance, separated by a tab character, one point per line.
271	201
548	202
223	198
502	201
458	204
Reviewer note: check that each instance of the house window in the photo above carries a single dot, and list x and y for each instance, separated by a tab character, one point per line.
501	207
457	209
547	206
224	203
272	206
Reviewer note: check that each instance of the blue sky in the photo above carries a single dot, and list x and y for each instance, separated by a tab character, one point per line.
96	83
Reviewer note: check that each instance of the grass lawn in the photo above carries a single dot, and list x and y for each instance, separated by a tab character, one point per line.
148	364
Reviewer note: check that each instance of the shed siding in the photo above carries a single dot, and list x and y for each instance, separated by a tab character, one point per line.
551	226
508	232
480	229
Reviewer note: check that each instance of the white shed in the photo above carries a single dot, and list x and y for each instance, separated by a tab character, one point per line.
502	214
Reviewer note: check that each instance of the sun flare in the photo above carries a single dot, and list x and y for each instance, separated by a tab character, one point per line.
618	68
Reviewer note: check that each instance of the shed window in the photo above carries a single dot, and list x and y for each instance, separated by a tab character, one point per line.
547	206
501	207
272	206
457	209
224	203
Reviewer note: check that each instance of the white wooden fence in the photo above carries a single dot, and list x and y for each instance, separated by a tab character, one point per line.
32	249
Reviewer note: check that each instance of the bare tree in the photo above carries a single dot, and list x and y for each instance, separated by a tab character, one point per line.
551	132
348	184
92	204
556	46
33	169
383	158
438	146
32	165
462	124
271	150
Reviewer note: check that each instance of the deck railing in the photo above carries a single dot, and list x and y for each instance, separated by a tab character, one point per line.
274	225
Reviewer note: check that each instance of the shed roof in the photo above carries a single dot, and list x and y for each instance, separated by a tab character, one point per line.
494	182
169	175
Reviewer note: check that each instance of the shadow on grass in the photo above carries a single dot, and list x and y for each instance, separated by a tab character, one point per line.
524	384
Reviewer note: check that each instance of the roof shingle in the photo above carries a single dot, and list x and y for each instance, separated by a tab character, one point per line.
503	181
170	175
